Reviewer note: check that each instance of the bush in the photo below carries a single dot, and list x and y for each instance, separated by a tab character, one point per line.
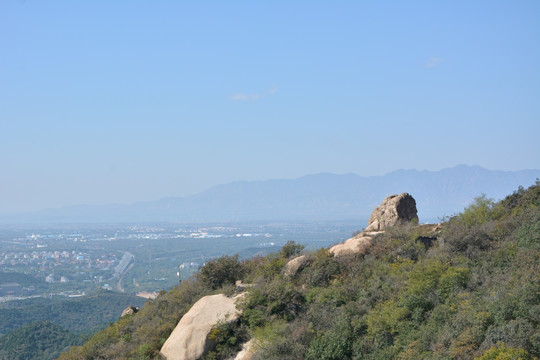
522	198
224	270
516	333
333	344
503	352
454	278
384	322
324	268
276	300
291	249
227	336
279	340
461	238
480	211
272	267
528	235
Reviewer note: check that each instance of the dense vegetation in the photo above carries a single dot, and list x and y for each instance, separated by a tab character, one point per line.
474	292
82	315
20	278
39	340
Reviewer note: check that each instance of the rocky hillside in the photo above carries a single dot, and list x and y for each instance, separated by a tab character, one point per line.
464	289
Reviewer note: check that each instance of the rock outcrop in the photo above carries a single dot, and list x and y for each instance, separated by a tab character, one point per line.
189	340
354	245
393	210
129	310
295	265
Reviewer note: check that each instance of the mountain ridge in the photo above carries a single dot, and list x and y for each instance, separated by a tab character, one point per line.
321	196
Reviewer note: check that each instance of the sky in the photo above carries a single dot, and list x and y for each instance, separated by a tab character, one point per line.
122	101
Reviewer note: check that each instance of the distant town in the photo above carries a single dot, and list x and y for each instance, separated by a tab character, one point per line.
139	259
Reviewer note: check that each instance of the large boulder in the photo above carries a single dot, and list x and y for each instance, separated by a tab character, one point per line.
189	340
130	310
295	265
355	245
393	210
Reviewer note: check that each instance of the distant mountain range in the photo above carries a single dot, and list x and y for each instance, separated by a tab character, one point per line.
313	197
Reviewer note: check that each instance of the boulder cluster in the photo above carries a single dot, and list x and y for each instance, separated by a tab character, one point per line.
394	210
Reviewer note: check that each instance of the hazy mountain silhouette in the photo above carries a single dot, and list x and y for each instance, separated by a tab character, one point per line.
313	197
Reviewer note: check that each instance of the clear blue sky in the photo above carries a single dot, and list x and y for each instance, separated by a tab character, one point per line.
120	101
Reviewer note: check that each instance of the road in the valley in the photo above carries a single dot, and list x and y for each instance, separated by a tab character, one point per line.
122	268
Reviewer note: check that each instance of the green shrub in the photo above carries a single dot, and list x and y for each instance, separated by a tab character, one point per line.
271	267
480	211
224	270
291	249
332	344
334	296
384	322
276	300
522	198
473	230
227	337
503	352
144	352
454	278
324	268
517	333
462	238
279	340
528	235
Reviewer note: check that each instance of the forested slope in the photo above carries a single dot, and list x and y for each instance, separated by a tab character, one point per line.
41	328
39	340
83	315
472	292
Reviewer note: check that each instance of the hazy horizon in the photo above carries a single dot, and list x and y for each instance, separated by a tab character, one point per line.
464	182
244	180
122	102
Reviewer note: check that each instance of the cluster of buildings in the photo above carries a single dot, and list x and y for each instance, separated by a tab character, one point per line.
58	266
43	260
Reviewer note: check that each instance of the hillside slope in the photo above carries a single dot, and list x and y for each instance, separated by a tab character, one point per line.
39	340
84	315
470	292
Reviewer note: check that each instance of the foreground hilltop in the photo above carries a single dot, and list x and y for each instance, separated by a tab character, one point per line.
463	289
